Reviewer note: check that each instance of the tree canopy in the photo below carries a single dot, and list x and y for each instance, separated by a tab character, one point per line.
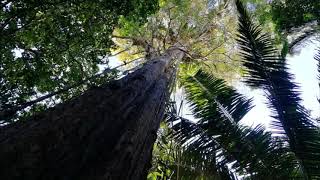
46	45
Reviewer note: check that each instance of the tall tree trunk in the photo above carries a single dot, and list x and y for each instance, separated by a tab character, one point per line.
106	133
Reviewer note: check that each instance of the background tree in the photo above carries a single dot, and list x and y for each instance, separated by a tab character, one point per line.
46	45
205	31
289	14
289	22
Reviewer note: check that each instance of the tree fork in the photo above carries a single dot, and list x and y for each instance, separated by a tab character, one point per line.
106	133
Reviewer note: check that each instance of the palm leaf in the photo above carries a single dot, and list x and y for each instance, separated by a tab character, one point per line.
298	40
268	71
317	58
218	133
174	161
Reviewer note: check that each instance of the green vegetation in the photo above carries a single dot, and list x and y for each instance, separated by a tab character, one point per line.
55	48
220	140
47	45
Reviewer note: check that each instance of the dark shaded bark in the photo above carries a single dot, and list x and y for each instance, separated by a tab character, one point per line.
107	133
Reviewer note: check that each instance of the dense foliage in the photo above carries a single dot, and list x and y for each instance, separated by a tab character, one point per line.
48	44
284	14
294	13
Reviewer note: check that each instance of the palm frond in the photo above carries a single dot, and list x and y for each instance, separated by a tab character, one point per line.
173	161
219	108
317	58
227	101
298	40
268	71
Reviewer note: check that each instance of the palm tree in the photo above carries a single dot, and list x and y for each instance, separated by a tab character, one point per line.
293	153
268	71
173	161
219	133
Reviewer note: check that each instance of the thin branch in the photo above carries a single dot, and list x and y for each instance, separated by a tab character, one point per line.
228	56
120	52
168	29
213	49
123	37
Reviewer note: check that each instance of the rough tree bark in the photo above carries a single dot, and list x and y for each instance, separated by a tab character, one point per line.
106	133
